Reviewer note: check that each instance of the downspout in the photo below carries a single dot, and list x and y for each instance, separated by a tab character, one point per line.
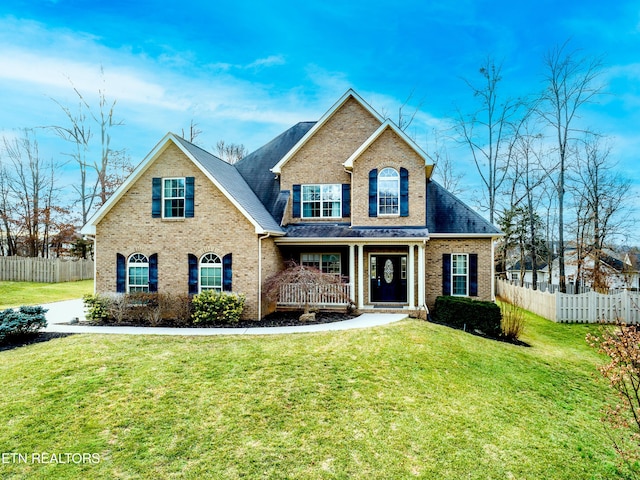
260	274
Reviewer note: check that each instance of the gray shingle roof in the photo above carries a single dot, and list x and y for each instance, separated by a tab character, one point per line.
343	230
256	167
235	185
447	214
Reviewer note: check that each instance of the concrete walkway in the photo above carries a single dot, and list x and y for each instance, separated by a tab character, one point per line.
61	313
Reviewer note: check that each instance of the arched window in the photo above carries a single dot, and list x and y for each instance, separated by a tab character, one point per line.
388	192
210	272
138	273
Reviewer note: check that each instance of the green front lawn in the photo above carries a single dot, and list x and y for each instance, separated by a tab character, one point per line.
14	294
407	400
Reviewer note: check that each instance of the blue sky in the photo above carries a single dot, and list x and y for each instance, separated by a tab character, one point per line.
246	71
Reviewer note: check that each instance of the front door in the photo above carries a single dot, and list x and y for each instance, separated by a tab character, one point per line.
388	275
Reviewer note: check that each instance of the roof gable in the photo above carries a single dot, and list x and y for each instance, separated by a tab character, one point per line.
224	176
388	124
350	94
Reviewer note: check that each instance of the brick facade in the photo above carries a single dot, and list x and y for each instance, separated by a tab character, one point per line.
388	150
320	159
433	261
217	227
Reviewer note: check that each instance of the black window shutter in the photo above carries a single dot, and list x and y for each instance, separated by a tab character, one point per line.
189	196
296	201
404	192
227	272
446	274
473	274
346	200
193	274
121	273
153	273
373	193
156	198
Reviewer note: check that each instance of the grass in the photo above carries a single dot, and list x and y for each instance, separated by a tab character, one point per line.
407	400
14	294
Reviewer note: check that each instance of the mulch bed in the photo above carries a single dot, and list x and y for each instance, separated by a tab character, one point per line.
276	319
23	340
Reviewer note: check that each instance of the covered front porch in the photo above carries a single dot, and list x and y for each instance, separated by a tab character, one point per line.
382	269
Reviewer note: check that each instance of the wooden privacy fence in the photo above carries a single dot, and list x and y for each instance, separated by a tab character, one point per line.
46	270
588	307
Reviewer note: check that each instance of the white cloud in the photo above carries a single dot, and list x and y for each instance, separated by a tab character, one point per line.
270	61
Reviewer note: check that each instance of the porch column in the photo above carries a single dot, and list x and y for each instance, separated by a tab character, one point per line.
360	276
421	285
352	273
411	280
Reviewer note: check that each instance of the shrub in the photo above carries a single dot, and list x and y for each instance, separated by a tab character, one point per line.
24	321
513	320
175	308
622	415
97	307
468	314
213	307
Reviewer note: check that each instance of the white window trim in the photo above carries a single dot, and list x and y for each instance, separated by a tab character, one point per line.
184	197
137	264
466	275
325	253
214	265
302	201
380	214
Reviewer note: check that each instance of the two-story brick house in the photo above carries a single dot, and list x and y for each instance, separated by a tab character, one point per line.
350	194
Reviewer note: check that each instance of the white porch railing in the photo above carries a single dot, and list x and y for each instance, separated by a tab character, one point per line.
292	294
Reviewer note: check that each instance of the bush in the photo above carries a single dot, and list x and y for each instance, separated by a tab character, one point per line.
468	314
211	307
24	321
97	307
139	308
513	320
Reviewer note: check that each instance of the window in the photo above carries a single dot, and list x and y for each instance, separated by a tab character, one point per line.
388	192
173	198
325	262
138	273
321	201
459	274
210	272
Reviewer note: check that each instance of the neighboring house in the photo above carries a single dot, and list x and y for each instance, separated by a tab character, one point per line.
611	267
632	269
515	272
350	194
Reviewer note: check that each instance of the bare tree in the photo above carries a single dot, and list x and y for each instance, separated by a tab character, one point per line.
601	195
96	181
445	171
231	152
193	134
8	236
571	83
488	132
31	189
